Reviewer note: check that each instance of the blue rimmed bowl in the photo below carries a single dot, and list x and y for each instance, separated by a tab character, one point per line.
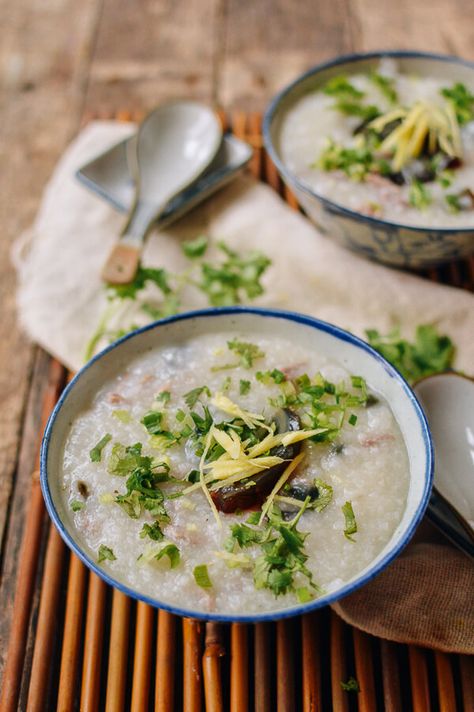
395	244
352	353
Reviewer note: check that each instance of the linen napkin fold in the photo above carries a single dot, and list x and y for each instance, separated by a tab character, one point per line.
60	299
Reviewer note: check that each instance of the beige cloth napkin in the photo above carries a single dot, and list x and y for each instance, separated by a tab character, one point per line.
60	299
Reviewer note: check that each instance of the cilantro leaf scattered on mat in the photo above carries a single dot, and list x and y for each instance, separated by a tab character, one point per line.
351	685
430	352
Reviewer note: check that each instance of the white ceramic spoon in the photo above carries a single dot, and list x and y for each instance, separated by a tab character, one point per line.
448	401
173	147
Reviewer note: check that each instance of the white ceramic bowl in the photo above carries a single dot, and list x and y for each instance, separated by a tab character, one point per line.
352	353
395	244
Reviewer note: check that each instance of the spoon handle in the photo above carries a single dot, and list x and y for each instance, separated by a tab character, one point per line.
450	523
122	263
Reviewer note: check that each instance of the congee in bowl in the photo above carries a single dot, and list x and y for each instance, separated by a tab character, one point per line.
237	466
379	149
389	144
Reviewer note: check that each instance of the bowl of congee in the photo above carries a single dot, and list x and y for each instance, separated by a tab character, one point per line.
379	151
237	464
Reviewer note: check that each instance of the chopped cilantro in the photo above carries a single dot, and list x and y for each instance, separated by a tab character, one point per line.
77	505
356	162
462	100
386	86
352	419
152	422
419	196
325	494
350	521
195	248
235	279
159	277
429	353
96	452
341	88
105	553
282	561
275	375
124	459
193	396
244	387
123	415
153	531
351	685
201	576
164	397
248	352
303	594
172	552
193	476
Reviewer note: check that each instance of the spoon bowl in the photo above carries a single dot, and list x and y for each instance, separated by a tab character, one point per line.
448	401
173	147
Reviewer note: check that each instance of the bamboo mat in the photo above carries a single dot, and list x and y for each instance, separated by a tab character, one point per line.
95	649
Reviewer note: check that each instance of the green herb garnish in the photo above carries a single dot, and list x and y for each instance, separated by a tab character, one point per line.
386	86
429	353
282	562
193	396
325	494
76	505
356	162
350	521
153	531
195	248
96	452
351	685
244	387
419	196
201	576
123	415
352	419
164	397
105	553
248	352
462	100
341	88
234	280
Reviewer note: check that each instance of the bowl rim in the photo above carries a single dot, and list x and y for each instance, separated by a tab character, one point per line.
332	205
298	318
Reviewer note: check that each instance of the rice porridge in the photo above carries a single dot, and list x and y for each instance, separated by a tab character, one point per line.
228	477
390	145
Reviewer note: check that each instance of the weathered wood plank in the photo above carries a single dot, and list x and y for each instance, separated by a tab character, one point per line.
438	27
150	51
268	43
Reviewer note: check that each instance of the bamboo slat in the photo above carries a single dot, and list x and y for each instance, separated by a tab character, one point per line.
340	701
118	653
72	634
165	662
94	636
390	677
420	690
444	674
192	678
466	667
364	671
211	665
142	657
311	663
47	620
285	672
262	669
239	674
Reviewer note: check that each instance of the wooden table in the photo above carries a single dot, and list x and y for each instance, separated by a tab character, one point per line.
63	60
